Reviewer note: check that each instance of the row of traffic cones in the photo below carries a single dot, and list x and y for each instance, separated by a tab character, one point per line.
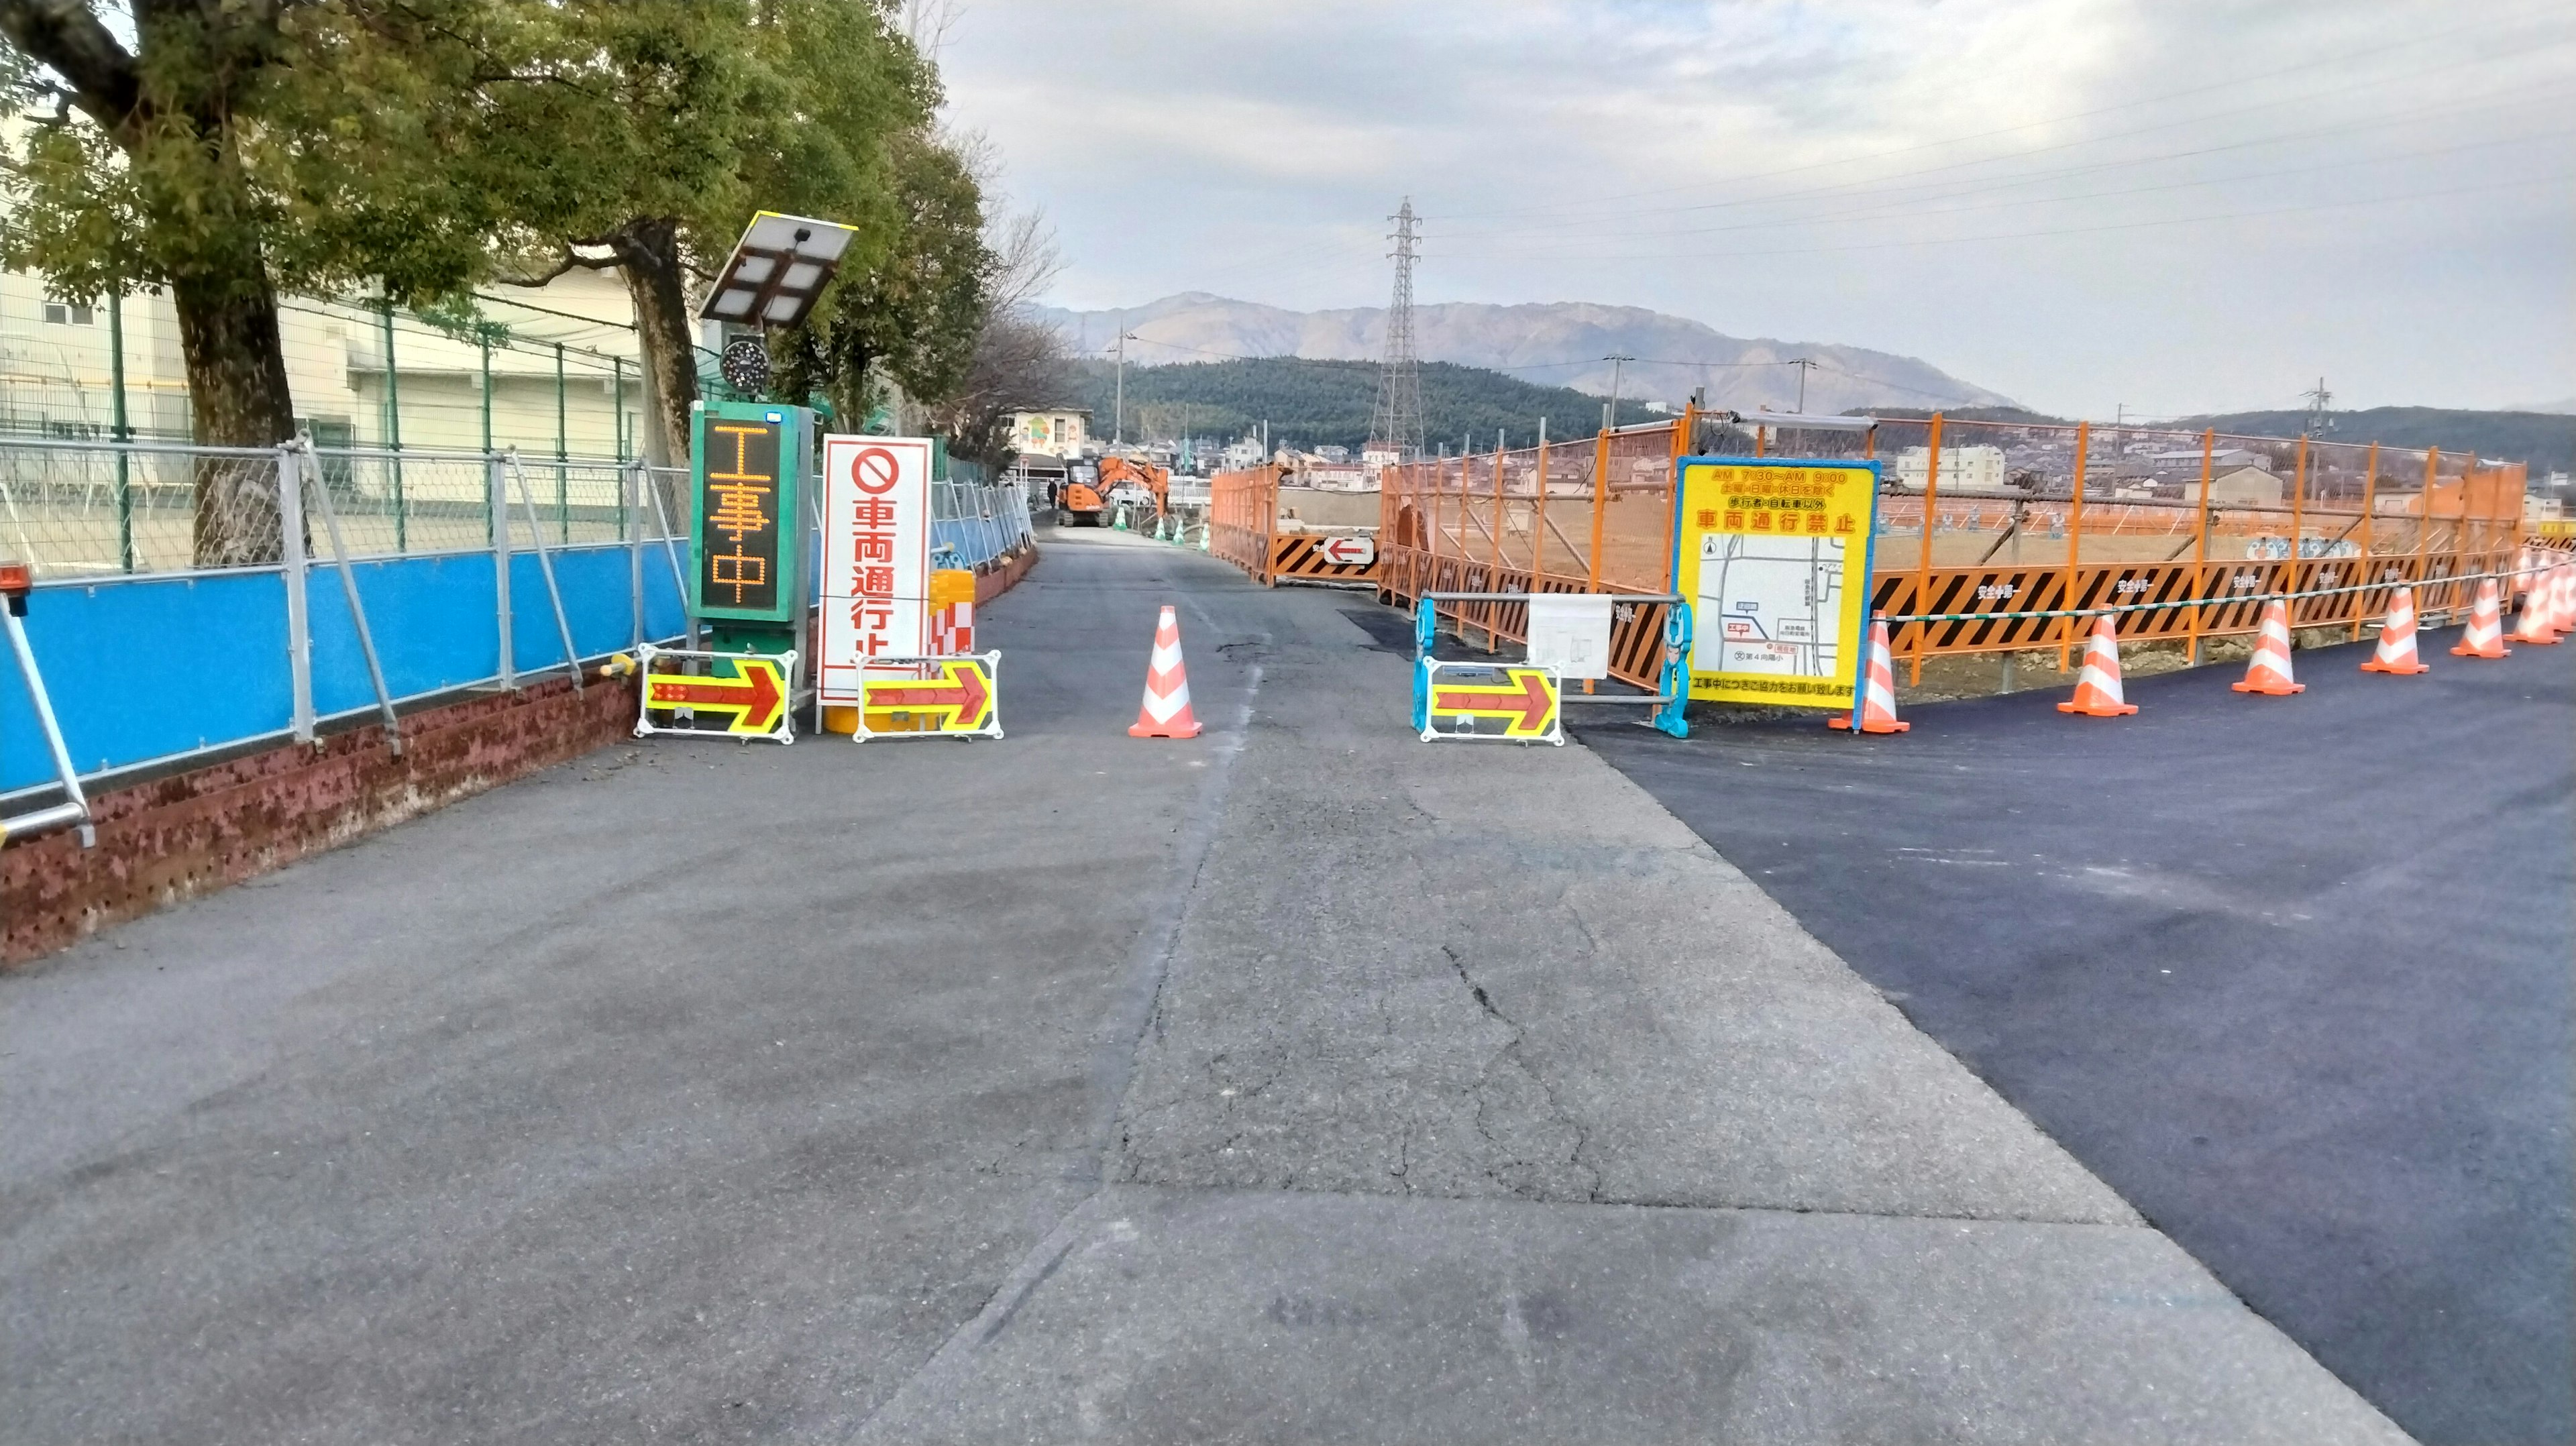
2548	611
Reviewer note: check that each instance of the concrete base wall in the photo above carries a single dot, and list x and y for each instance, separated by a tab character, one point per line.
174	838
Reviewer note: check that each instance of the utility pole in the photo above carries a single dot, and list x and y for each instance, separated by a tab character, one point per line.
1802	364
1610	413
2318	400
1118	420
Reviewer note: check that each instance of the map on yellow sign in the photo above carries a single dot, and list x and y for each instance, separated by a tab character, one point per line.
1484	700
953	696
1774	554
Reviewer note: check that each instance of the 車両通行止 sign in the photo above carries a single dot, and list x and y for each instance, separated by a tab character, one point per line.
1774	555
876	559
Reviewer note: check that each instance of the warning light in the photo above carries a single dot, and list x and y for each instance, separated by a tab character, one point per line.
16	581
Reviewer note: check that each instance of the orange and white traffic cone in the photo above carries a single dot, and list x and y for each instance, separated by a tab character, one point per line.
1166	711
2397	638
2268	672
2484	636
1878	694
2537	624
2562	599
2097	688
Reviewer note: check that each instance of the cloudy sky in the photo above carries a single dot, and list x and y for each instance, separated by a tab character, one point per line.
2168	205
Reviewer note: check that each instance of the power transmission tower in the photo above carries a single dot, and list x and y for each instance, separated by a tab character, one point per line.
1397	420
2318	399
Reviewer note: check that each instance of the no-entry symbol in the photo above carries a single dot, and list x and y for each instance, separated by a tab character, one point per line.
875	470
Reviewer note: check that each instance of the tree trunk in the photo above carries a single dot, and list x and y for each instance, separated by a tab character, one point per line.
238	394
648	253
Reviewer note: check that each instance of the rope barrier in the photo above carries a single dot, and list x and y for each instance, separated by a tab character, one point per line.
2207	602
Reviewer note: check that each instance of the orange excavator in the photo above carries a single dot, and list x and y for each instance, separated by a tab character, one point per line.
1094	491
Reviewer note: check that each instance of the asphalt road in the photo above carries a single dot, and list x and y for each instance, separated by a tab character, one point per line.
1300	1081
2293	975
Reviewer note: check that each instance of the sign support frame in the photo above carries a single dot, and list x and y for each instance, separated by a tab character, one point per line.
1863	606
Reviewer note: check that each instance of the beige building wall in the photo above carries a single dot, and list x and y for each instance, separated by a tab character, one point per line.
57	378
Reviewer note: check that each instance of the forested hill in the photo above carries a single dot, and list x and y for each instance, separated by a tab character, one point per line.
2546	440
1327	403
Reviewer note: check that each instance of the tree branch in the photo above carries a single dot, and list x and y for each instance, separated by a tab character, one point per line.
571	260
65	36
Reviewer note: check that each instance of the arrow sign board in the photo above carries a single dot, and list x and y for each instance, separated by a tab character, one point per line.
1486	701
958	697
750	703
1347	551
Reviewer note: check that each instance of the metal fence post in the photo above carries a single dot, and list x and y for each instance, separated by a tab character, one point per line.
546	565
496	478
357	609
299	624
631	482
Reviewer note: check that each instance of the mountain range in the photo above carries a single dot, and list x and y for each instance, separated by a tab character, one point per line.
1559	344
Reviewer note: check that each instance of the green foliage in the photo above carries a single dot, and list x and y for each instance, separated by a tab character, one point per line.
917	310
1312	403
238	148
2546	440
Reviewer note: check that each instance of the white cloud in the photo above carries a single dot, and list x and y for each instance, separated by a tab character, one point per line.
2081	202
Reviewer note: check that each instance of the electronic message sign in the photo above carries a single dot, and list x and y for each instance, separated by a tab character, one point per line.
747	460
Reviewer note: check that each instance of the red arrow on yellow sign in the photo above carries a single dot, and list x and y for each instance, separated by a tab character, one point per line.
1526	703
755	699
959	700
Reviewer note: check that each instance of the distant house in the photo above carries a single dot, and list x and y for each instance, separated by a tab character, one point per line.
2245	487
1965	471
2221	460
1055	432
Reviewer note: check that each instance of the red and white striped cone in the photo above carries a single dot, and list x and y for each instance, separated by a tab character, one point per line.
2484	636
2397	638
2097	688
1166	711
2268	672
1878	694
2537	625
2562	599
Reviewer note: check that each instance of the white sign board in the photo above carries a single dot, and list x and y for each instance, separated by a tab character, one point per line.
1350	551
1570	632
876	559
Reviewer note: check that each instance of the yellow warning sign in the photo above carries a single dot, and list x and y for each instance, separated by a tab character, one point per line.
959	700
1526	700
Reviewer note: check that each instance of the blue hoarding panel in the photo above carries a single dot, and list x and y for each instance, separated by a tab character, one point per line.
143	668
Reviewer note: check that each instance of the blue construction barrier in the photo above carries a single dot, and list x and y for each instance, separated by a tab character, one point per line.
150	668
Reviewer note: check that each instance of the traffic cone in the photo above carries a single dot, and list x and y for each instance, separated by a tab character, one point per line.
1878	696
1166	711
2537	624
2397	638
2097	688
2268	672
2484	636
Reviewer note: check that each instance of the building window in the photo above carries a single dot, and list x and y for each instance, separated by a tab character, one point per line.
62	314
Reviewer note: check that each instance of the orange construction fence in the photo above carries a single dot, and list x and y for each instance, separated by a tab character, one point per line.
1988	532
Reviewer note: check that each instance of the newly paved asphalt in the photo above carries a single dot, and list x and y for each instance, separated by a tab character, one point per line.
2293	975
1296	1082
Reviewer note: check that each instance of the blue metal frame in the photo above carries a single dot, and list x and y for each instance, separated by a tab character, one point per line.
1675	685
1868	559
